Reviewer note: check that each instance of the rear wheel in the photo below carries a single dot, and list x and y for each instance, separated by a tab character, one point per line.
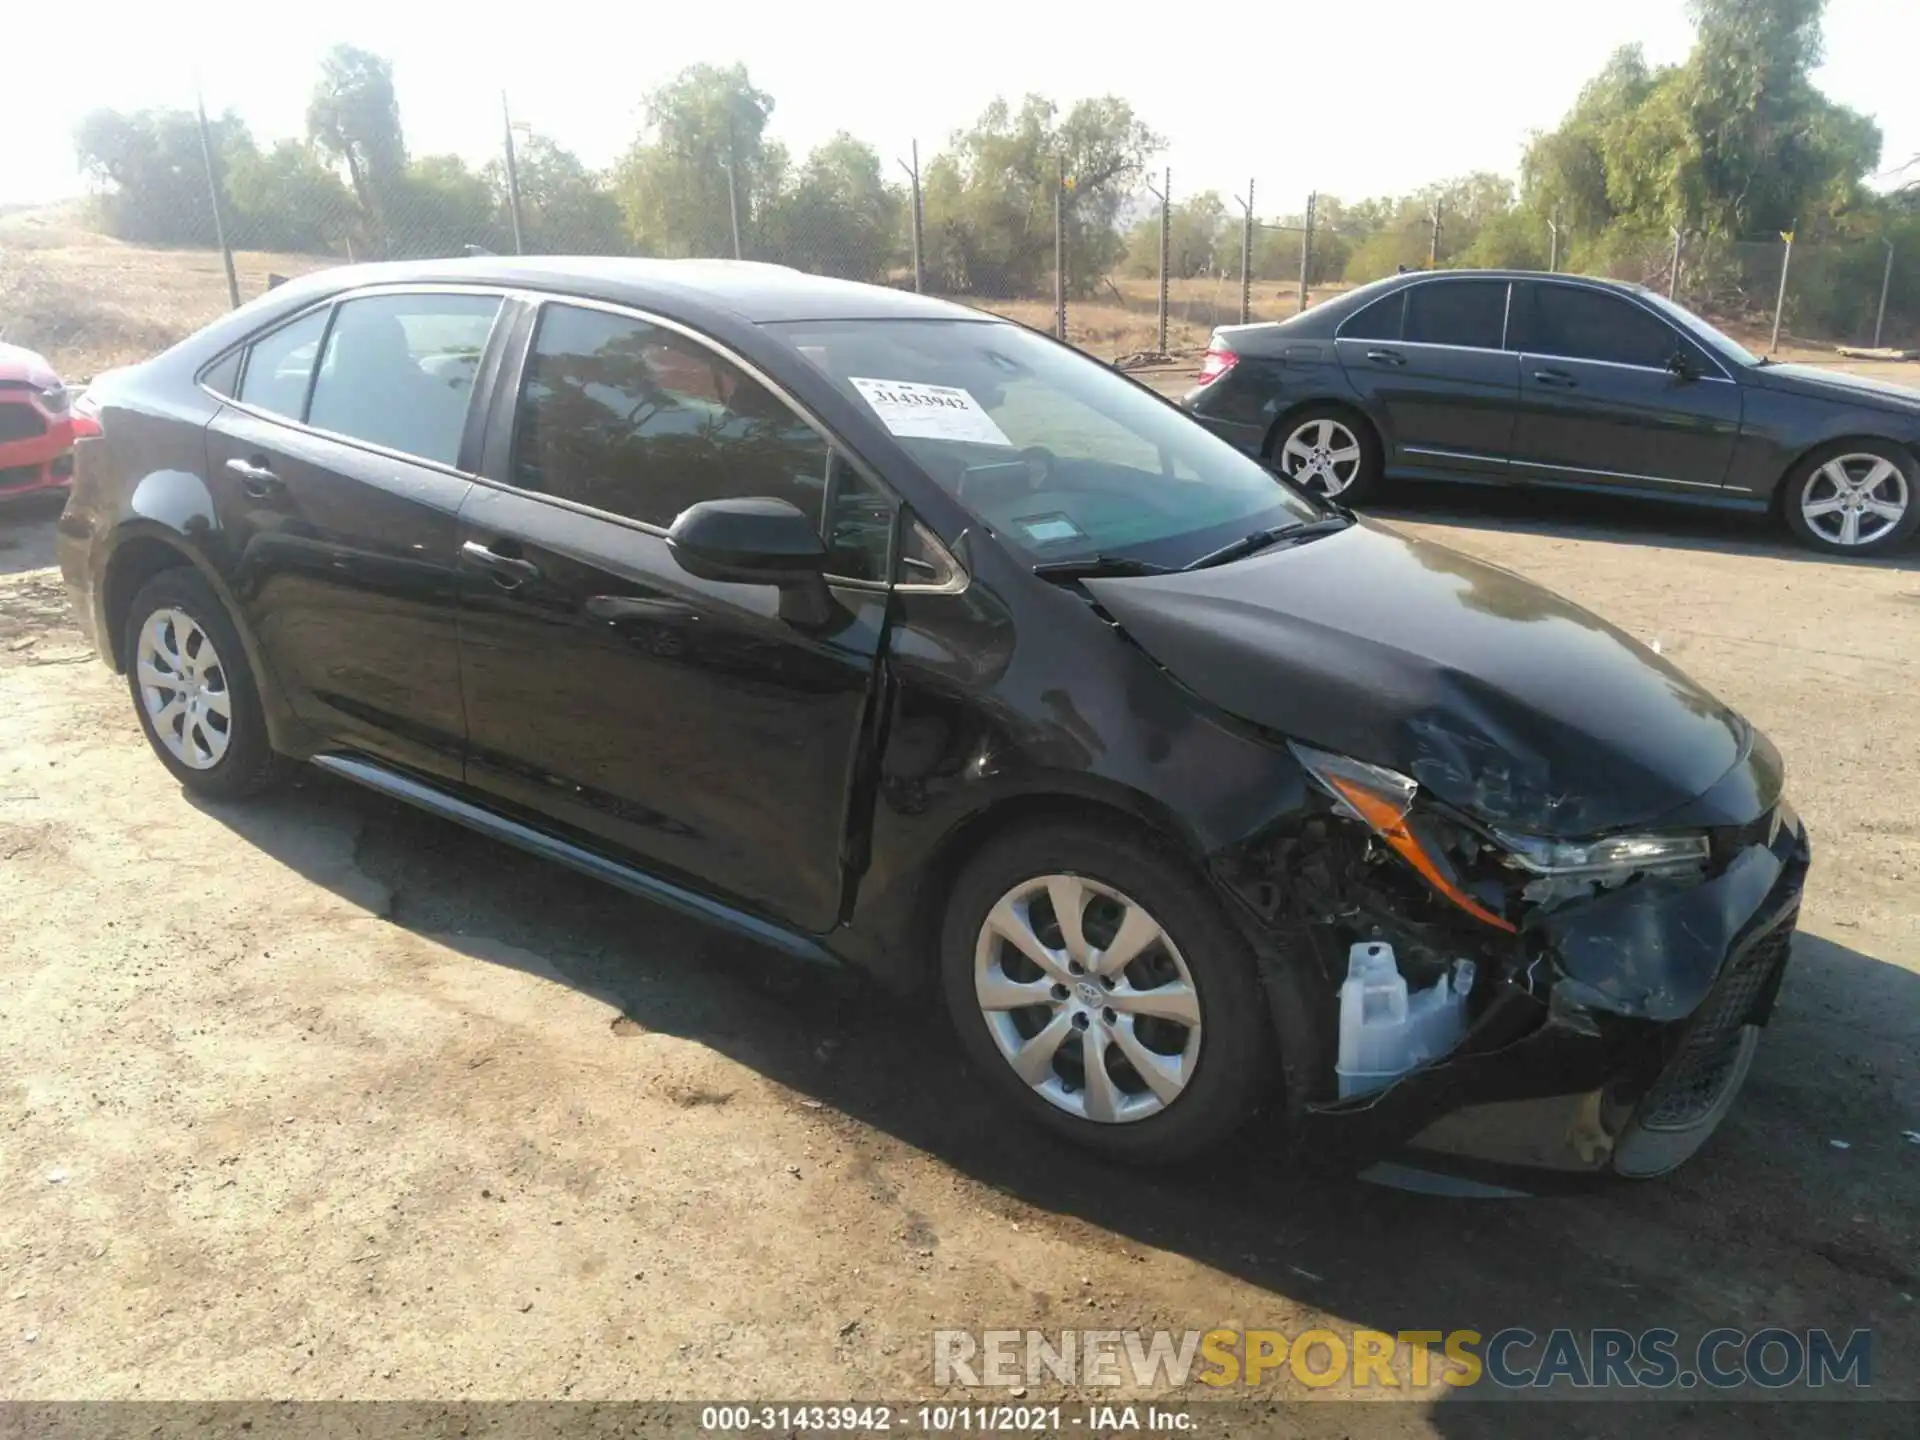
1330	451
194	690
1860	497
1098	987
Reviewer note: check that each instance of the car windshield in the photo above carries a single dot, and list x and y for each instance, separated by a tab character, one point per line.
1060	456
1701	329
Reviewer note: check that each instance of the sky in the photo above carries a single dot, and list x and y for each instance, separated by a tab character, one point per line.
1360	98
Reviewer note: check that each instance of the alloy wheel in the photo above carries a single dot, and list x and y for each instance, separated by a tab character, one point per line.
1322	455
184	688
1855	499
1087	999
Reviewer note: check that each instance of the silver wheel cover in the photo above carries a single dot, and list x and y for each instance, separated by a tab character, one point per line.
1321	455
1088	999
183	685
1855	499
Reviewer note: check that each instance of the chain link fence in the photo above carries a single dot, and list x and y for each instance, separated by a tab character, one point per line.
190	215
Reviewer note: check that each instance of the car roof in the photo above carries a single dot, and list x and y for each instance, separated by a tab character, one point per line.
750	290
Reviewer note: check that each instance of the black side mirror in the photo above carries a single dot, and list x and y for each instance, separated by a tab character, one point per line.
756	541
1680	366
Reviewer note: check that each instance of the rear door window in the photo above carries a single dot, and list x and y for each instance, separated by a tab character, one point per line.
1378	321
1467	313
280	364
398	371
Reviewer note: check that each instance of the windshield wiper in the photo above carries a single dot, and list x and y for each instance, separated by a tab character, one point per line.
1261	539
1094	567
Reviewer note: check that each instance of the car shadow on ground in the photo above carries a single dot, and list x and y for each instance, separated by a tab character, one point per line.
26	532
1815	1235
1579	515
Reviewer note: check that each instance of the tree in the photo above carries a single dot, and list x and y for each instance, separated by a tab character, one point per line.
704	125
437	206
286	199
1197	241
989	198
565	208
354	119
837	216
154	172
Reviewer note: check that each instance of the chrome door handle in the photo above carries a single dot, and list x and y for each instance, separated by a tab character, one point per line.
507	570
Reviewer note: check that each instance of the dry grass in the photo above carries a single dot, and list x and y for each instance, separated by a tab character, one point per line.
88	302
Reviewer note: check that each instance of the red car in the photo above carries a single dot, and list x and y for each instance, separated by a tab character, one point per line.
37	427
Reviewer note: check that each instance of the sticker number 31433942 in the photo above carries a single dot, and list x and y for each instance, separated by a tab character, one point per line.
912	410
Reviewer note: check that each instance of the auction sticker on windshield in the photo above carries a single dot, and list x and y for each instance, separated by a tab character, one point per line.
929	412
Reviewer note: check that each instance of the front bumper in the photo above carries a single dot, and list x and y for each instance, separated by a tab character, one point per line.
36	447
1617	1049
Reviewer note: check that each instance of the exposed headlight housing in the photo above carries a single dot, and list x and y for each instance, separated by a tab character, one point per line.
1614	857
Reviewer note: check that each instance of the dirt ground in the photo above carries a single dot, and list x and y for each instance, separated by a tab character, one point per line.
316	1097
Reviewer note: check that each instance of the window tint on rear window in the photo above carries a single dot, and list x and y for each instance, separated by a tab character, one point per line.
1378	321
1582	324
1472	313
398	371
280	364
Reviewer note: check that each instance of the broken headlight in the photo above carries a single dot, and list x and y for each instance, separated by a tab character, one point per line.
1382	799
1607	861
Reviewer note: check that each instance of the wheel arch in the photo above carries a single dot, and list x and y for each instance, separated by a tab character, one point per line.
1777	502
1339	403
143	550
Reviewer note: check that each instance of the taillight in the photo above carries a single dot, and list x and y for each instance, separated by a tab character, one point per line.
85	417
1218	361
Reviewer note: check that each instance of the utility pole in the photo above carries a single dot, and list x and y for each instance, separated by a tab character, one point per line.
1060	252
513	178
1433	246
1165	197
913	174
213	195
1306	245
1886	280
733	190
1673	278
1246	256
1780	300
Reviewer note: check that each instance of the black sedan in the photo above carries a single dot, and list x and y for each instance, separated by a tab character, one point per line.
1488	377
894	635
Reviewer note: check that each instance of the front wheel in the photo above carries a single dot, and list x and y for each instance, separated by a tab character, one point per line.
1861	497
1099	988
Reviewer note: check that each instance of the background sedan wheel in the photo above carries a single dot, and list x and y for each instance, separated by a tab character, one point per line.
1329	452
1854	499
1095	982
194	689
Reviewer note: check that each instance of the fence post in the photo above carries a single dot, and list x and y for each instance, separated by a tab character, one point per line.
1780	299
1306	245
513	177
1886	280
1553	242
1246	257
1433	247
913	174
213	195
1673	276
1060	252
1166	255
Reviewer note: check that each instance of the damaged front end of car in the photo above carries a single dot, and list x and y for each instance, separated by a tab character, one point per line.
1477	997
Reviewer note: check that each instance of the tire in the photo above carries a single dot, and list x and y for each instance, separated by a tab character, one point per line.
1839	483
1213	1074
1308	446
223	756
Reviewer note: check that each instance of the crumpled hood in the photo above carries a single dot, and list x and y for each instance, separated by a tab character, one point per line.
1500	697
1839	385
